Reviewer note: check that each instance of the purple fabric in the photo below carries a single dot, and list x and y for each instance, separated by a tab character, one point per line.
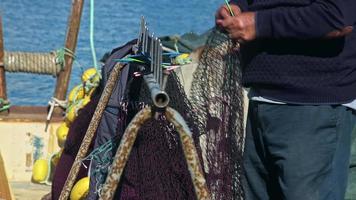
75	136
156	169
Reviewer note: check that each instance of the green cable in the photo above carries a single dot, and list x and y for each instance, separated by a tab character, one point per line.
229	7
61	53
92	34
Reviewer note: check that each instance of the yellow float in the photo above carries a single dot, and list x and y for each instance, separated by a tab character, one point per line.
77	93
40	171
80	189
91	75
71	113
62	132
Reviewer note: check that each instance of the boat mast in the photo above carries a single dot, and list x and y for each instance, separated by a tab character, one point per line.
2	68
70	43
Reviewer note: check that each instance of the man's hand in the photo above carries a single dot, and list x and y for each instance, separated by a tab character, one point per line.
224	12
340	33
240	27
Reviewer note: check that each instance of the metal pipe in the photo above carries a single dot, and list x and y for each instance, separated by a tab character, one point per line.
152	53
157	59
160	98
160	75
141	30
147	37
143	39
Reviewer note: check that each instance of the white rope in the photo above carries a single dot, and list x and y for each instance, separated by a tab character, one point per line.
54	102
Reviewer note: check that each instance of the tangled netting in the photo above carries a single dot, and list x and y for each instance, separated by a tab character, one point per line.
103	158
156	168
217	98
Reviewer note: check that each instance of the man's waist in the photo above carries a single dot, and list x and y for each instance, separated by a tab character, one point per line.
303	96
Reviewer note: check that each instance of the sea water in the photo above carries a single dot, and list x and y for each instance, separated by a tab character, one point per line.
40	26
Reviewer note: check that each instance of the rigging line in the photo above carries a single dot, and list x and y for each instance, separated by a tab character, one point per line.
92	47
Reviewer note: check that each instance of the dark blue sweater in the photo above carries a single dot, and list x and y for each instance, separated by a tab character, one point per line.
291	61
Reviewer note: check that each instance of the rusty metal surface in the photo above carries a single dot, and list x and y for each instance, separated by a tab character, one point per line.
89	135
123	152
28	114
190	152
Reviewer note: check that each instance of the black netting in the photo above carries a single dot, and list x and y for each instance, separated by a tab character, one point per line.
157	168
217	98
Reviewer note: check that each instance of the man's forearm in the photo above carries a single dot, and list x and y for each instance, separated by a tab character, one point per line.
242	4
313	21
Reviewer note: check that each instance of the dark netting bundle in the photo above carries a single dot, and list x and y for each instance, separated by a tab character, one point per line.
157	168
217	98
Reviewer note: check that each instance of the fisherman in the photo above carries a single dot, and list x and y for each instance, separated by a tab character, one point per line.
299	61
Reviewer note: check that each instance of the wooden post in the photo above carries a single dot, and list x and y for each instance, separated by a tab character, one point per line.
5	192
2	68
71	43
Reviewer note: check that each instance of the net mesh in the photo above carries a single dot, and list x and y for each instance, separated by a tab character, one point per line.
156	168
217	99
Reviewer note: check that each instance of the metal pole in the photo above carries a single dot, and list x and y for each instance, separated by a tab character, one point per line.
159	97
3	94
71	43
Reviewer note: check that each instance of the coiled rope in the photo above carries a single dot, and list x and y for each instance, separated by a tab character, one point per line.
38	63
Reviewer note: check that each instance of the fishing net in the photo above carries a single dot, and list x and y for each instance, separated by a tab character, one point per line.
156	168
217	98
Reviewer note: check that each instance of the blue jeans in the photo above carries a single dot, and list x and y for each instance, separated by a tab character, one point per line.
297	152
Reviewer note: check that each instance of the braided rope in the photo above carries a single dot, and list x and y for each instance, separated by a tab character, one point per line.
37	63
89	135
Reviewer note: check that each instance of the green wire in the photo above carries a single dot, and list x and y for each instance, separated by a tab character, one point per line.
92	33
229	7
137	60
6	105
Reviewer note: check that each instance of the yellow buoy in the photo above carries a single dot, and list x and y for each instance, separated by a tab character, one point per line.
71	113
92	75
80	189
182	59
77	93
62	132
40	171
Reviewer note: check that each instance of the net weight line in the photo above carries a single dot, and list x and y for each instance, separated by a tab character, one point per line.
128	139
